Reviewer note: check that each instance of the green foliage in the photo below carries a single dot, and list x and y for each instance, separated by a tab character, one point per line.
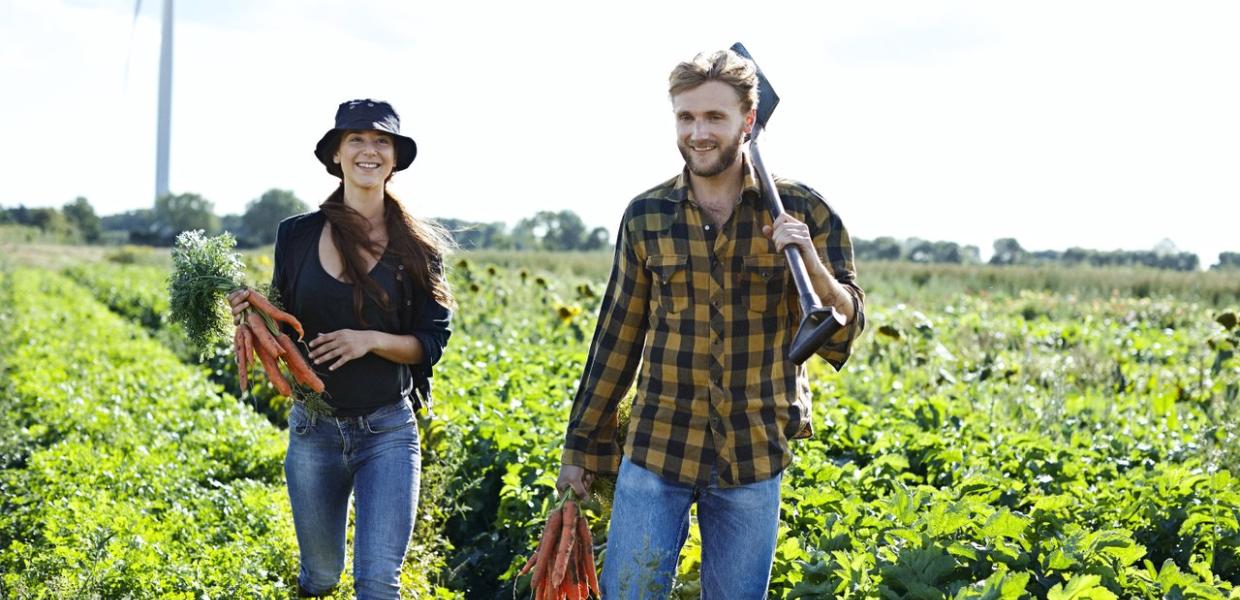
998	433
175	213
204	270
128	475
264	214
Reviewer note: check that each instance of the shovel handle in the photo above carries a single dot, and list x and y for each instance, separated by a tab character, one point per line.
808	297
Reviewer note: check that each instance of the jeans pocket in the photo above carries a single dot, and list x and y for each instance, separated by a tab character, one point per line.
390	418
763	280
299	420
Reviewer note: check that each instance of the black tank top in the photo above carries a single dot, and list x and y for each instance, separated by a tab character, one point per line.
324	304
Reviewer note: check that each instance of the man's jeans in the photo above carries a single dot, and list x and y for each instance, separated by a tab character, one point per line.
650	521
376	457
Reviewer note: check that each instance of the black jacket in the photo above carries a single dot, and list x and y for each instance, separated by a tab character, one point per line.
419	314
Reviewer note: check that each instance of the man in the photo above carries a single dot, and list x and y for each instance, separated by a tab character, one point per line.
701	298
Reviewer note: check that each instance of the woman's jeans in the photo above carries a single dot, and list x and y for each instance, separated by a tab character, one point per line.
375	457
650	521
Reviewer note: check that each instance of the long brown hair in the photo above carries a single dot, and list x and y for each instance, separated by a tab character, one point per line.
419	245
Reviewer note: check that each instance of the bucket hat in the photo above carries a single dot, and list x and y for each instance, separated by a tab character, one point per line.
361	115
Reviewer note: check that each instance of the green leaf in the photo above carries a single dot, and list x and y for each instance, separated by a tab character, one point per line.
1005	524
1001	585
1081	587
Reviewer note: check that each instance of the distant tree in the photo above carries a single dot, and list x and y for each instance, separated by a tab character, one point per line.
472	236
886	248
945	252
82	215
1008	252
1227	261
141	220
263	215
232	224
548	230
918	250
175	213
51	221
1043	257
597	239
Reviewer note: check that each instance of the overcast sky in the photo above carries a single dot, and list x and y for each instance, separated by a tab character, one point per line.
1095	124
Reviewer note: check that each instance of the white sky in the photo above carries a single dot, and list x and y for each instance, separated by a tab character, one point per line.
1096	124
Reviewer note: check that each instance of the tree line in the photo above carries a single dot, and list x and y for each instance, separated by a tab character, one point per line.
1008	251
562	230
159	225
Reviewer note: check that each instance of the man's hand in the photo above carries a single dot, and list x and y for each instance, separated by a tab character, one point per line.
341	346
789	231
575	477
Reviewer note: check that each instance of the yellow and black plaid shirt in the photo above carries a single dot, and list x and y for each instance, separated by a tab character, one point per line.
708	313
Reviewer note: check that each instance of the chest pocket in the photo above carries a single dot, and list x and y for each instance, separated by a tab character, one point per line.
670	278
763	279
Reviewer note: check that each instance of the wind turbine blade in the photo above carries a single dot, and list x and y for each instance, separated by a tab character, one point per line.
133	26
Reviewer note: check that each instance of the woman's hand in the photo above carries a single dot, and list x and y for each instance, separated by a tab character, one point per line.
238	300
340	346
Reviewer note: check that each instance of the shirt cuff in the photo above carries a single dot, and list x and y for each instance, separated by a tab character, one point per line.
591	456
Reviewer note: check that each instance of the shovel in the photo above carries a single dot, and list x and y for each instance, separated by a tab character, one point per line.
818	322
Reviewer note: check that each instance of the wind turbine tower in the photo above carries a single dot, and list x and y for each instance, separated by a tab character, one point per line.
165	102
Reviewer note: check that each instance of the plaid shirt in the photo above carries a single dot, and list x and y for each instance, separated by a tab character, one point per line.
710	325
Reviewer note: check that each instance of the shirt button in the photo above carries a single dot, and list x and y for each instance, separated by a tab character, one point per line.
408	302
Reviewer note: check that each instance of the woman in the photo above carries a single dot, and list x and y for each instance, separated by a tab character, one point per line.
366	281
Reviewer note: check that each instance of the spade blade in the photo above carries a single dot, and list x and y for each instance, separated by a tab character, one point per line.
767	98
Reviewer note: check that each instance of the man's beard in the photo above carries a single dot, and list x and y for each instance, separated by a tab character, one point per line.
728	155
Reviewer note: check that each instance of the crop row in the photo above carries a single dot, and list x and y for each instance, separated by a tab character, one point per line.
987	446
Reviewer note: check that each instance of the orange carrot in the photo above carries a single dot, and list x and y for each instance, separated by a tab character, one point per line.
529	563
246	350
583	579
247	339
567	535
242	360
546	552
572	587
262	334
261	302
273	372
533	560
587	546
297	364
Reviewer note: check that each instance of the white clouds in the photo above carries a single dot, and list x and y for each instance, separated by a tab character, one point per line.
1099	124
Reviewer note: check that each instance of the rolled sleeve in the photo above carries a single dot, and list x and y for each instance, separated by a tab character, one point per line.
836	251
432	327
615	352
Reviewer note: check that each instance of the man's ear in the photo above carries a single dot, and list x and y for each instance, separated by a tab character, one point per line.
750	119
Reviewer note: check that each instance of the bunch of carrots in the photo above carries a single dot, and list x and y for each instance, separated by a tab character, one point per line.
563	564
258	333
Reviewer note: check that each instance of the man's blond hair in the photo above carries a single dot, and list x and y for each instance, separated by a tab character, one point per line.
724	66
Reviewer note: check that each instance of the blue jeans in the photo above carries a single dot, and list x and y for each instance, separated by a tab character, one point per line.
650	521
377	459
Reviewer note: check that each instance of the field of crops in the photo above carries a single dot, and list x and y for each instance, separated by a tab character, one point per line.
996	434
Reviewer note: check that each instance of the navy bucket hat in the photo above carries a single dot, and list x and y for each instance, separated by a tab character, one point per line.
362	115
